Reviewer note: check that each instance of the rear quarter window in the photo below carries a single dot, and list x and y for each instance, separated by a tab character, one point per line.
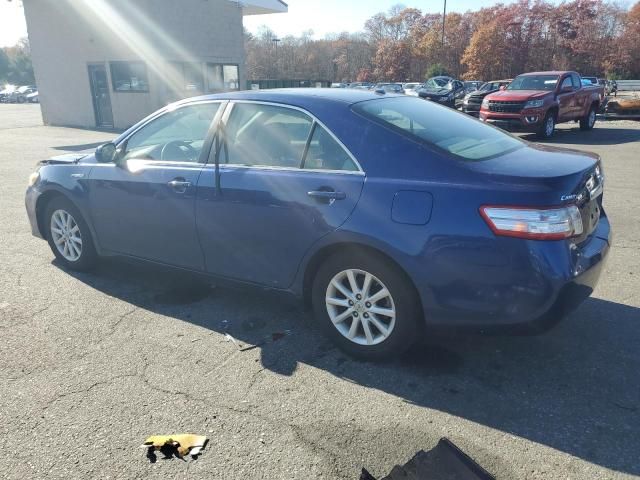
447	130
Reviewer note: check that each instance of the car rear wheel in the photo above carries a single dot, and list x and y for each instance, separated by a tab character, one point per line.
548	126
366	305
69	236
589	120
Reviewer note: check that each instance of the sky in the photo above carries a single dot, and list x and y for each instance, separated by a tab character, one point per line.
321	16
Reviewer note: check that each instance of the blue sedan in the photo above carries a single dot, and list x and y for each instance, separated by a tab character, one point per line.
387	214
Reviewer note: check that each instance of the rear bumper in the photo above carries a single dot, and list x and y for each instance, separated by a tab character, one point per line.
512	283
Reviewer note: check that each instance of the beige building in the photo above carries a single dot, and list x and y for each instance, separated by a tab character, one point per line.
108	63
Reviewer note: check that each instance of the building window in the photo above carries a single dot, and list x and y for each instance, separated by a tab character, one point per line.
186	77
129	77
222	78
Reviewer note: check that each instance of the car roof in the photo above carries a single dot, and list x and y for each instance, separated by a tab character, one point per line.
298	96
550	72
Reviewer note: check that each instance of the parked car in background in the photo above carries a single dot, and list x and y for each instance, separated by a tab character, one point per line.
19	95
537	101
472	86
33	97
468	226
6	92
443	90
361	85
389	87
411	88
472	101
623	108
339	85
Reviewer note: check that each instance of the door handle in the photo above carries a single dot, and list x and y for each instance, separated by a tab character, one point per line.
327	196
179	185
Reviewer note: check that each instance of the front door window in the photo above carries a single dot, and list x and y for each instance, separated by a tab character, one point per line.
176	136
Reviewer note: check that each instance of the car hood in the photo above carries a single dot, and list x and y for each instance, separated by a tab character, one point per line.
67	159
436	91
518	95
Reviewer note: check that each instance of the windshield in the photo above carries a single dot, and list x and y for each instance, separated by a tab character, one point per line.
455	133
437	83
534	82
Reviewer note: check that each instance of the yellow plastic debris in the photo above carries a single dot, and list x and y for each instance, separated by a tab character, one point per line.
185	444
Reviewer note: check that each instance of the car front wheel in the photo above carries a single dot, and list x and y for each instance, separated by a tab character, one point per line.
548	126
366	305
69	236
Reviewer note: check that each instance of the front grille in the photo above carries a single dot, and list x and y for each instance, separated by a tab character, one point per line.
474	100
505	107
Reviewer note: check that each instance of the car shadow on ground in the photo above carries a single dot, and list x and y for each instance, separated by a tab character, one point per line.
600	135
574	389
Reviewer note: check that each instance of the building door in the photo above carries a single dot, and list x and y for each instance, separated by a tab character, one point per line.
100	95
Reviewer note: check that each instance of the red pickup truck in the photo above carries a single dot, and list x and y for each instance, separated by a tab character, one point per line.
537	101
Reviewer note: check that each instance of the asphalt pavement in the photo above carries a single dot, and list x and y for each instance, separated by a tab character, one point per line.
91	364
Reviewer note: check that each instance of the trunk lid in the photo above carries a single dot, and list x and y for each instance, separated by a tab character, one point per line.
552	176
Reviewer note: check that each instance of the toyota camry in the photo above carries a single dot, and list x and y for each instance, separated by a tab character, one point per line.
388	215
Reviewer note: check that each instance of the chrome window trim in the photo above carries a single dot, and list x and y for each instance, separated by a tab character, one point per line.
236	166
229	111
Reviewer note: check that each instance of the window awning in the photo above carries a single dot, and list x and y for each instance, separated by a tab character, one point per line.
261	7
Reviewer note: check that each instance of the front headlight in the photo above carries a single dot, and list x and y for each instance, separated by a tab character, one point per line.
485	103
534	104
33	178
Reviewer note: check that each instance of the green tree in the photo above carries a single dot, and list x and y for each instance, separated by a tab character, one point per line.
4	66
435	70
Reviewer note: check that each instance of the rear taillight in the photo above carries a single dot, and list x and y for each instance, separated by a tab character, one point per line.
534	223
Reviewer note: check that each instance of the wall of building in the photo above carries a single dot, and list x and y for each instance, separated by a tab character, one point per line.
67	35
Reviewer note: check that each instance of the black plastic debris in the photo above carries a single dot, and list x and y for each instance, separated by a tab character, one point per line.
444	462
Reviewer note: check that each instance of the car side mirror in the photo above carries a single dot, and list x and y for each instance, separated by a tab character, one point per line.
566	89
107	153
502	87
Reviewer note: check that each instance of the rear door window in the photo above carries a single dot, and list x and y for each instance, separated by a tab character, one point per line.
325	153
439	127
266	135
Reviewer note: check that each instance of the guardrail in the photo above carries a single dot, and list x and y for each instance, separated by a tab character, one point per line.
628	85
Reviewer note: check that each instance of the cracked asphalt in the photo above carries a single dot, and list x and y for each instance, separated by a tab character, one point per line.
91	364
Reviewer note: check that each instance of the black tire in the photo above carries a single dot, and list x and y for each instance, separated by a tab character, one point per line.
543	131
408	317
88	257
21	99
588	121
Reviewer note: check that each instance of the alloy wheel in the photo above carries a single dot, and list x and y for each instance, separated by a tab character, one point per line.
549	126
592	118
360	307
66	235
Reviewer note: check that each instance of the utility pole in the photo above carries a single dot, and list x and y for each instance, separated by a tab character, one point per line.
276	41
444	19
